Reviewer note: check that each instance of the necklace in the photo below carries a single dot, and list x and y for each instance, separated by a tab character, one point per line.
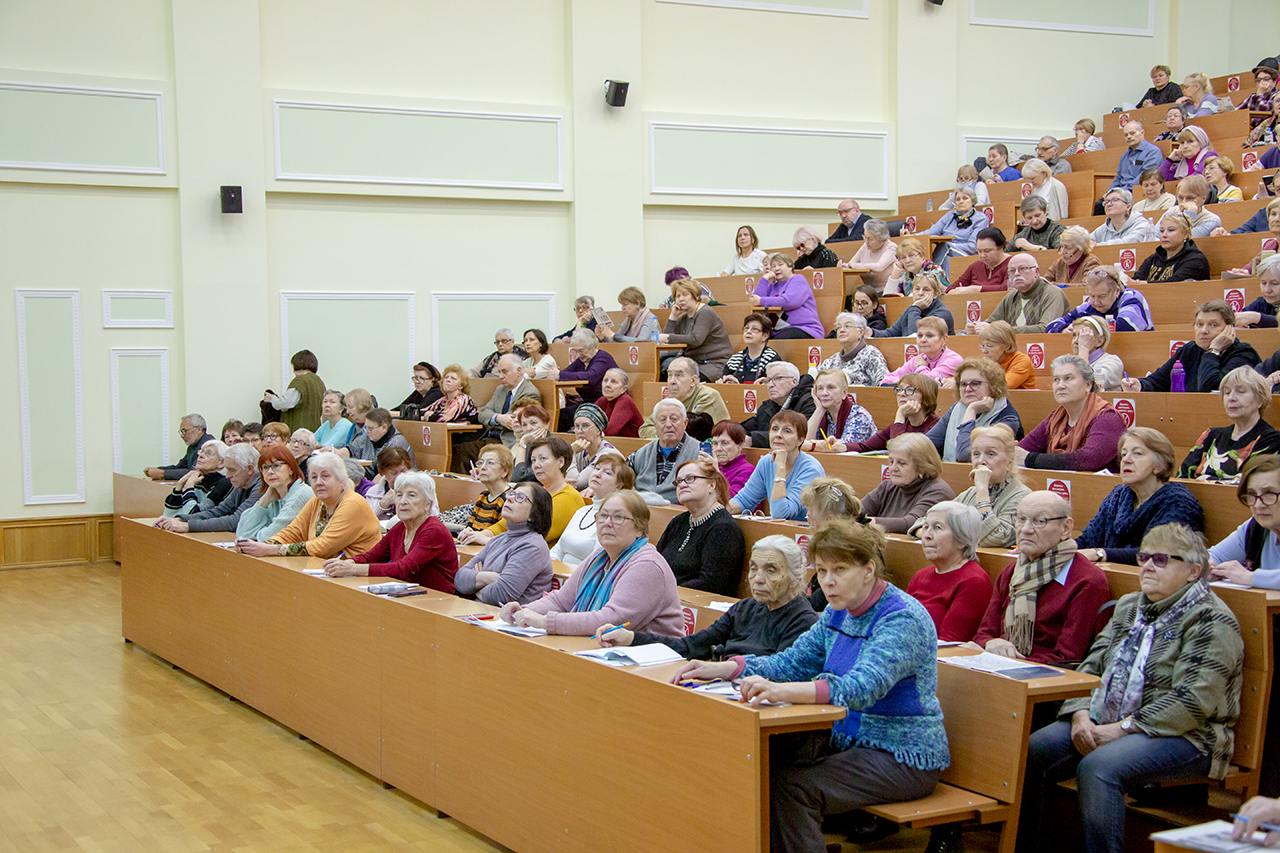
695	523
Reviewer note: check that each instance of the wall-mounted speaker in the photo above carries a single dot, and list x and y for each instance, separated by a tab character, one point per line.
615	93
231	200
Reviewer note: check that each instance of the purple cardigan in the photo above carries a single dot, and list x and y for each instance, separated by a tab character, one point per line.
644	595
600	364
795	297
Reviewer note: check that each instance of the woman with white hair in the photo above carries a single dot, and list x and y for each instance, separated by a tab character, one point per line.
590	367
861	363
204	486
1047	187
813	255
874	259
418	548
954	589
1075	257
1221	452
766	623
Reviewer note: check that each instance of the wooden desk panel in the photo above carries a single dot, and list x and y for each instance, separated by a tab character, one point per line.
135	497
638	360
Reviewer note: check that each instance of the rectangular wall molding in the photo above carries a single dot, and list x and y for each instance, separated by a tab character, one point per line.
164	425
50	372
1132	18
976	145
488	312
348	143
75	129
151	309
357	321
833	8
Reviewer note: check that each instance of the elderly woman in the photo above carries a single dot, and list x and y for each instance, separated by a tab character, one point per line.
1261	312
1215	352
1046	186
875	259
812	254
514	566
781	475
954	588
609	475
892	747
914	484
493	470
204	486
275	434
1259	264
589	367
1218	171
1108	300
704	545
748	257
1090	337
997	486
866	304
749	365
917	397
1161	91
912	262
1154	196
700	330
426	390
999	343
1250	556
334	430
861	363
584	312
1220	452
1084	131
1189	156
589	423
334	520
967	178
1075	257
1123	224
926	304
378	434
1171	662
284	494
1038	231
417	549
766	623
624	418
538	363
381	495
1197	94
998	163
836	420
962	223
936	360
626	580
1083	433
782	288
230	434
455	406
1144	499
299	405
983	401
639	323
728	441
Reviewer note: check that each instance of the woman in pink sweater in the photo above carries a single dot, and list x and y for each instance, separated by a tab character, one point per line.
625	580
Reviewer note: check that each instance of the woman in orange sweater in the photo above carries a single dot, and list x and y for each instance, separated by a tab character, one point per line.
999	343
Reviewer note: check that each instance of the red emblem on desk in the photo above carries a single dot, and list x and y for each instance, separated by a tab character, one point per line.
817	281
1026	189
426	436
556	583
749	401
1124	119
1126	408
1233	83
989	212
1234	297
666	392
1174	346
690	619
1250	160
815	356
1035	351
750	285
1061	488
973	310
802	539
633	355
884	473
1128	260
909	225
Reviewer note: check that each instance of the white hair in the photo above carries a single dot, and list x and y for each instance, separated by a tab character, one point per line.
786	367
422	482
217	447
791	554
589	301
243	454
332	461
304	434
669	401
195	420
859	322
804	232
584	338
965	523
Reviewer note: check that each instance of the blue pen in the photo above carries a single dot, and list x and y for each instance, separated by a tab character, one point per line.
1266	827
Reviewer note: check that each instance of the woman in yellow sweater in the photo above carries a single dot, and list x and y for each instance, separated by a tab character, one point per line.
336	520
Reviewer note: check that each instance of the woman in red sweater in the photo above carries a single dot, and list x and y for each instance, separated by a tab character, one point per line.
418	549
955	589
623	414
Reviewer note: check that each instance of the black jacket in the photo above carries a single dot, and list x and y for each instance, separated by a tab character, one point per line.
800	400
1204	370
1189	264
179	469
843	232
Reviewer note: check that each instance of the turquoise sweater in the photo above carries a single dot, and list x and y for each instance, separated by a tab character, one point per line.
883	667
260	523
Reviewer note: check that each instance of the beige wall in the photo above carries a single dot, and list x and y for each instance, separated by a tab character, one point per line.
916	75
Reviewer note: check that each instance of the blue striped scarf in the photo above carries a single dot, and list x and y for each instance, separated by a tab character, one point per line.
599	577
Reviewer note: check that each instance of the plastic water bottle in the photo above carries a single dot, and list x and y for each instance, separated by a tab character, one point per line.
1111	322
928	205
1178	378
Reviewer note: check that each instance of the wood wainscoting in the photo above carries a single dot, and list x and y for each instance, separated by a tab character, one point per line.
55	541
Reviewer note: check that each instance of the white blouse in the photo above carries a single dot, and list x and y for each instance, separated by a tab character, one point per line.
543	368
752	264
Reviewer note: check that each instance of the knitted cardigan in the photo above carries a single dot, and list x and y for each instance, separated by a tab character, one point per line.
1118	526
352	528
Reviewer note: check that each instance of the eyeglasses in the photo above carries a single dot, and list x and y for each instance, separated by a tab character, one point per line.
906	390
518	498
772	379
1157	560
583	427
186	431
484	463
500	341
1265	498
612	517
1037	523
1016	270
687	479
274	466
973	386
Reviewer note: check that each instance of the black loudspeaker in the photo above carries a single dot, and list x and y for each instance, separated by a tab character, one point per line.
231	200
936	2
615	93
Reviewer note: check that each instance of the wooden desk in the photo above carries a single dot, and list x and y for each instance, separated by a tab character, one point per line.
638	360
135	497
431	443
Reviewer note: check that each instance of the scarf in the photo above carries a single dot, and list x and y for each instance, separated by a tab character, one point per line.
1064	438
631	327
1121	691
598	577
1028	577
953	425
1184	168
967	220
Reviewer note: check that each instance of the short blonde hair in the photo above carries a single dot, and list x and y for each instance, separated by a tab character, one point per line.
463	379
1155	441
1086	124
920	450
634	504
1036	166
932	280
911	244
991	372
1003	435
936	323
1197	185
1224	162
506	462
686	285
360	400
999	333
1179	541
846	541
829	497
277	429
1253	381
1101	329
804	232
1199	78
781	256
836	372
967	173
1078	236
632	296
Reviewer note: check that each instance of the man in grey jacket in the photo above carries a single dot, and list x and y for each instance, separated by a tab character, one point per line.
241	465
655	464
1032	304
512	386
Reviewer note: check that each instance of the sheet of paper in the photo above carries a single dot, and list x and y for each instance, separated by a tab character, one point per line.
508	628
1214	836
315	573
385	588
729	691
650	654
945	643
1229	585
230	546
722	606
984	662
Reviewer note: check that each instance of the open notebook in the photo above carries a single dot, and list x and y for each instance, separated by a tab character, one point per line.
646	655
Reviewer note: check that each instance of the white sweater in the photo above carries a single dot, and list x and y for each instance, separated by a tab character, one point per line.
579	537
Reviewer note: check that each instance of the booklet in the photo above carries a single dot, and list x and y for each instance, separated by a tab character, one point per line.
651	654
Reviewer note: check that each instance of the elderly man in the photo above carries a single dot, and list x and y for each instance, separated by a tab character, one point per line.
1047	150
590	367
1215	352
683	385
1175	121
192	430
302	443
1038	231
1122	224
503	342
852	220
241	465
992	270
655	464
1032	304
512	387
1138	156
1045	605
1106	296
788	389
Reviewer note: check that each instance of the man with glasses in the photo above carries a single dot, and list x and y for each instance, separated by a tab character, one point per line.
504	342
512	387
1047	150
788	389
192	430
1045	605
684	384
656	463
1106	296
852	221
1033	301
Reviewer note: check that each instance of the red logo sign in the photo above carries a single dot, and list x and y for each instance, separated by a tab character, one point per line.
1250	160
989	212
426	436
1234	297
1174	346
909	225
1061	488
817	281
1124	119
802	539
1026	189
1233	83
1128	260
851	397
750	285
690	619
884	473
749	401
910	351
1035	352
1270	244
1125	407
633	355
815	356
556	582
973	310
666	392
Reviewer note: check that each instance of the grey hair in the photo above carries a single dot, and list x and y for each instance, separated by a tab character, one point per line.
669	401
1033	202
352	468
335	392
515	360
419	480
243	454
965	523
1080	364
622	376
1036	166
1267	265
304	434
859	322
877	227
804	232
584	338
687	363
1077	235
507	332
1138	123
786	367
1180	541
195	420
1120	191
1253	381
791	553
1052	139
216	446
969	191
589	301
332	461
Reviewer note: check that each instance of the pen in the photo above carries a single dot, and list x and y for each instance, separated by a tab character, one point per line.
701	683
478	616
615	628
1266	827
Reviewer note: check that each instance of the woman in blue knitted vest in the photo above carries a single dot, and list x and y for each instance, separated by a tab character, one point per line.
873	651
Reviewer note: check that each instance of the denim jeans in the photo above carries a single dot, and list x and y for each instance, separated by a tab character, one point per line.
1102	777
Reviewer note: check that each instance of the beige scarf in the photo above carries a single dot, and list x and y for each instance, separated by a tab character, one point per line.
1028	577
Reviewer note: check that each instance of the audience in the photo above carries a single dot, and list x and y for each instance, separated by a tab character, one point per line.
1107	297
836	420
1264	97
703	545
983	402
1083	433
1197	94
538	363
700	330
284	494
335	431
1085	142
962	223
748	257
1075	257
783	473
381	495
655	464
203	487
1161	91
875	258
240	464
1175	121
1144	500
192	431
589	422
1176	258
1046	186
379	433
1090	337
584	312
781	288
231	431
618	406
853	222
998	342
1261	312
514	565
493	471
550	458
302	444
728	441
1189	156
1038	231
998	162
866	304
275	434
1171	664
1045	604
299	405
1218	171
914	484
1123	224
812	254
683	384
1220	452
748	366
590	367
861	363
926	303
503	343
1033	302
992	270
917	397
997	488
954	589
625	581
935	360
912	261
610	475
1155	198
1250	555
968	177
1214	353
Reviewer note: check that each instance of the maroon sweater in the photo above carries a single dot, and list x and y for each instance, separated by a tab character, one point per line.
987	279
624	418
880	440
956	600
432	559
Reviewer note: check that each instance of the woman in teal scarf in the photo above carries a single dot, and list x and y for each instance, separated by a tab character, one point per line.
625	580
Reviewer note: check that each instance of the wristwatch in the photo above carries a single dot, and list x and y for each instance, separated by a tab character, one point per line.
1126	725
1102	555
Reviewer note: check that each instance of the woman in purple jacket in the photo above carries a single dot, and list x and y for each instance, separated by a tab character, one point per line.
782	287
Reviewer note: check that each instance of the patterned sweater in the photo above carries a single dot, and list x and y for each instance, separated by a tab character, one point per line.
1118	526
